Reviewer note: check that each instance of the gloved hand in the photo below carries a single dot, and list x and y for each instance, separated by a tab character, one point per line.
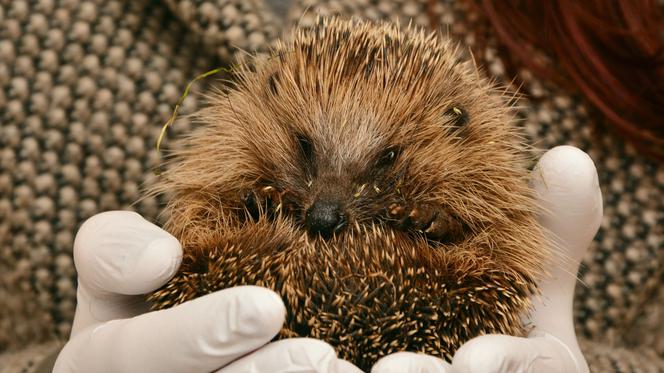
120	256
566	183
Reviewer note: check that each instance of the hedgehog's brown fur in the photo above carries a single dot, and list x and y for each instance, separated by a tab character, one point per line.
241	184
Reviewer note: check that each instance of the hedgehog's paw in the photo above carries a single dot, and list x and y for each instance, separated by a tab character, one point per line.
266	200
431	220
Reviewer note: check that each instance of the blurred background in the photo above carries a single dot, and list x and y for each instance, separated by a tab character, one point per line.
86	85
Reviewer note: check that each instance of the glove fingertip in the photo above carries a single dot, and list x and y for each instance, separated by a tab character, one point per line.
343	366
567	171
407	362
90	230
269	308
157	264
492	353
248	313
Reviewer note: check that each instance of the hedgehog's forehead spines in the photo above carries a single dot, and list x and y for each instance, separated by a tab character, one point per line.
367	48
376	65
336	56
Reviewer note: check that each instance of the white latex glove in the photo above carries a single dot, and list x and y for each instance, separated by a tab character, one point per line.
566	183
120	256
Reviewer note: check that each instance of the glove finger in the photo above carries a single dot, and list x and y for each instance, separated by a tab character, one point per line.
567	186
410	362
495	353
197	336
292	355
119	252
566	183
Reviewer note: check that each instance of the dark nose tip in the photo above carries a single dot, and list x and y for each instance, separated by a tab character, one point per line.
325	218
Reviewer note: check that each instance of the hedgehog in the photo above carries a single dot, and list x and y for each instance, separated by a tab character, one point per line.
371	176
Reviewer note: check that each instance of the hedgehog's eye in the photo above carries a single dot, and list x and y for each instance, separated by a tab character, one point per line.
306	148
388	157
458	117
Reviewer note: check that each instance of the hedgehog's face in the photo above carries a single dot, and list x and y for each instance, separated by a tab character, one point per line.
345	127
350	165
355	125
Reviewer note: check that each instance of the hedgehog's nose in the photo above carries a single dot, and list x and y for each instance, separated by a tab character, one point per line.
325	218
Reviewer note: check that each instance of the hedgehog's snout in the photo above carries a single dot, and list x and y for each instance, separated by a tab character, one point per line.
325	217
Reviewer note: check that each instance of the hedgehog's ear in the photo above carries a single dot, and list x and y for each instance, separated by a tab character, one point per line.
456	117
